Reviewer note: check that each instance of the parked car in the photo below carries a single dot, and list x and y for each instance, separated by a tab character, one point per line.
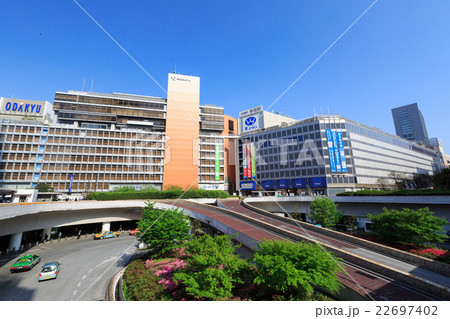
135	231
49	271
25	263
106	234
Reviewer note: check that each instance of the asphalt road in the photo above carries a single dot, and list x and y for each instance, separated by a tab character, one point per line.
87	266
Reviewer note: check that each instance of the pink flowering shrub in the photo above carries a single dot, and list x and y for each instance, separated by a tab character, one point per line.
164	269
433	253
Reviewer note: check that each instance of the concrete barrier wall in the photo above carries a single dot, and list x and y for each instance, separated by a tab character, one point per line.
242	238
435	266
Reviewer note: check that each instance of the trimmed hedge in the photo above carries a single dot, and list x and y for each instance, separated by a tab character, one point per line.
170	194
402	192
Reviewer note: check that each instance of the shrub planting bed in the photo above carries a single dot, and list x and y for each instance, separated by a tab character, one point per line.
430	252
402	192
169	194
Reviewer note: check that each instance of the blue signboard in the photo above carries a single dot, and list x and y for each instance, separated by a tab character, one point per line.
70	184
317	182
268	184
342	152
248	185
299	183
250	123
283	183
336	151
330	151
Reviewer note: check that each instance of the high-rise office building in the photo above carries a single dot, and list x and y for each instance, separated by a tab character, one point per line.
409	123
104	141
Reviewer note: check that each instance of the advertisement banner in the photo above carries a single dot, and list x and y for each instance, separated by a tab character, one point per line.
244	160
252	153
336	152
342	152
217	163
299	183
330	151
268	184
248	185
317	182
71	182
283	183
249	162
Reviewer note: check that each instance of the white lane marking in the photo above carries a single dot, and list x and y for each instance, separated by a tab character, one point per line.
75	292
79	284
89	270
105	261
83	277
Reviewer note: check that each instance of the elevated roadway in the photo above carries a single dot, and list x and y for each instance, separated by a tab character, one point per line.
252	228
245	223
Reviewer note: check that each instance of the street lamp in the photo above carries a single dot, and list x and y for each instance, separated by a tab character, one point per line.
209	229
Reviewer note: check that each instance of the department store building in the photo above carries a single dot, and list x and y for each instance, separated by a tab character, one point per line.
323	155
90	141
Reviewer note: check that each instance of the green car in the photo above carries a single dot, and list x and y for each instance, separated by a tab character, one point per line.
25	263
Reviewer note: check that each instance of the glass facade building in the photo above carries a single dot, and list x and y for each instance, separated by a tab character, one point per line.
327	155
409	123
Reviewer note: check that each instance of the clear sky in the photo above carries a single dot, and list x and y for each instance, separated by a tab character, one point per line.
246	53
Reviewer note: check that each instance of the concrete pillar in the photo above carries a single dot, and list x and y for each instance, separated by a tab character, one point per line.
46	231
14	242
106	226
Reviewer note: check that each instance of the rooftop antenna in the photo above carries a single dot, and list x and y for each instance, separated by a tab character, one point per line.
92	84
314	111
175	71
328	110
84	80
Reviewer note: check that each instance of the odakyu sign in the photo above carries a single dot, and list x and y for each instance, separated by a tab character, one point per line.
22	107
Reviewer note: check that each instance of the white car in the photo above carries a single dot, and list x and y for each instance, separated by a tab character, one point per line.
49	271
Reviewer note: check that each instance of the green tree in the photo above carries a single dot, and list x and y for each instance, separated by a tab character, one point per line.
442	179
43	188
292	270
214	271
408	226
324	211
423	180
163	230
384	183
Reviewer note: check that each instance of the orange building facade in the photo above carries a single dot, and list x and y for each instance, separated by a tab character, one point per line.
182	132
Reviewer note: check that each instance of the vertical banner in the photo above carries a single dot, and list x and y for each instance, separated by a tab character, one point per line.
71	182
244	159
336	152
330	151
252	153
217	163
342	152
249	162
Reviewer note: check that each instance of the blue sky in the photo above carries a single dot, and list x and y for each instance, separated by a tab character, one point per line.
246	53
